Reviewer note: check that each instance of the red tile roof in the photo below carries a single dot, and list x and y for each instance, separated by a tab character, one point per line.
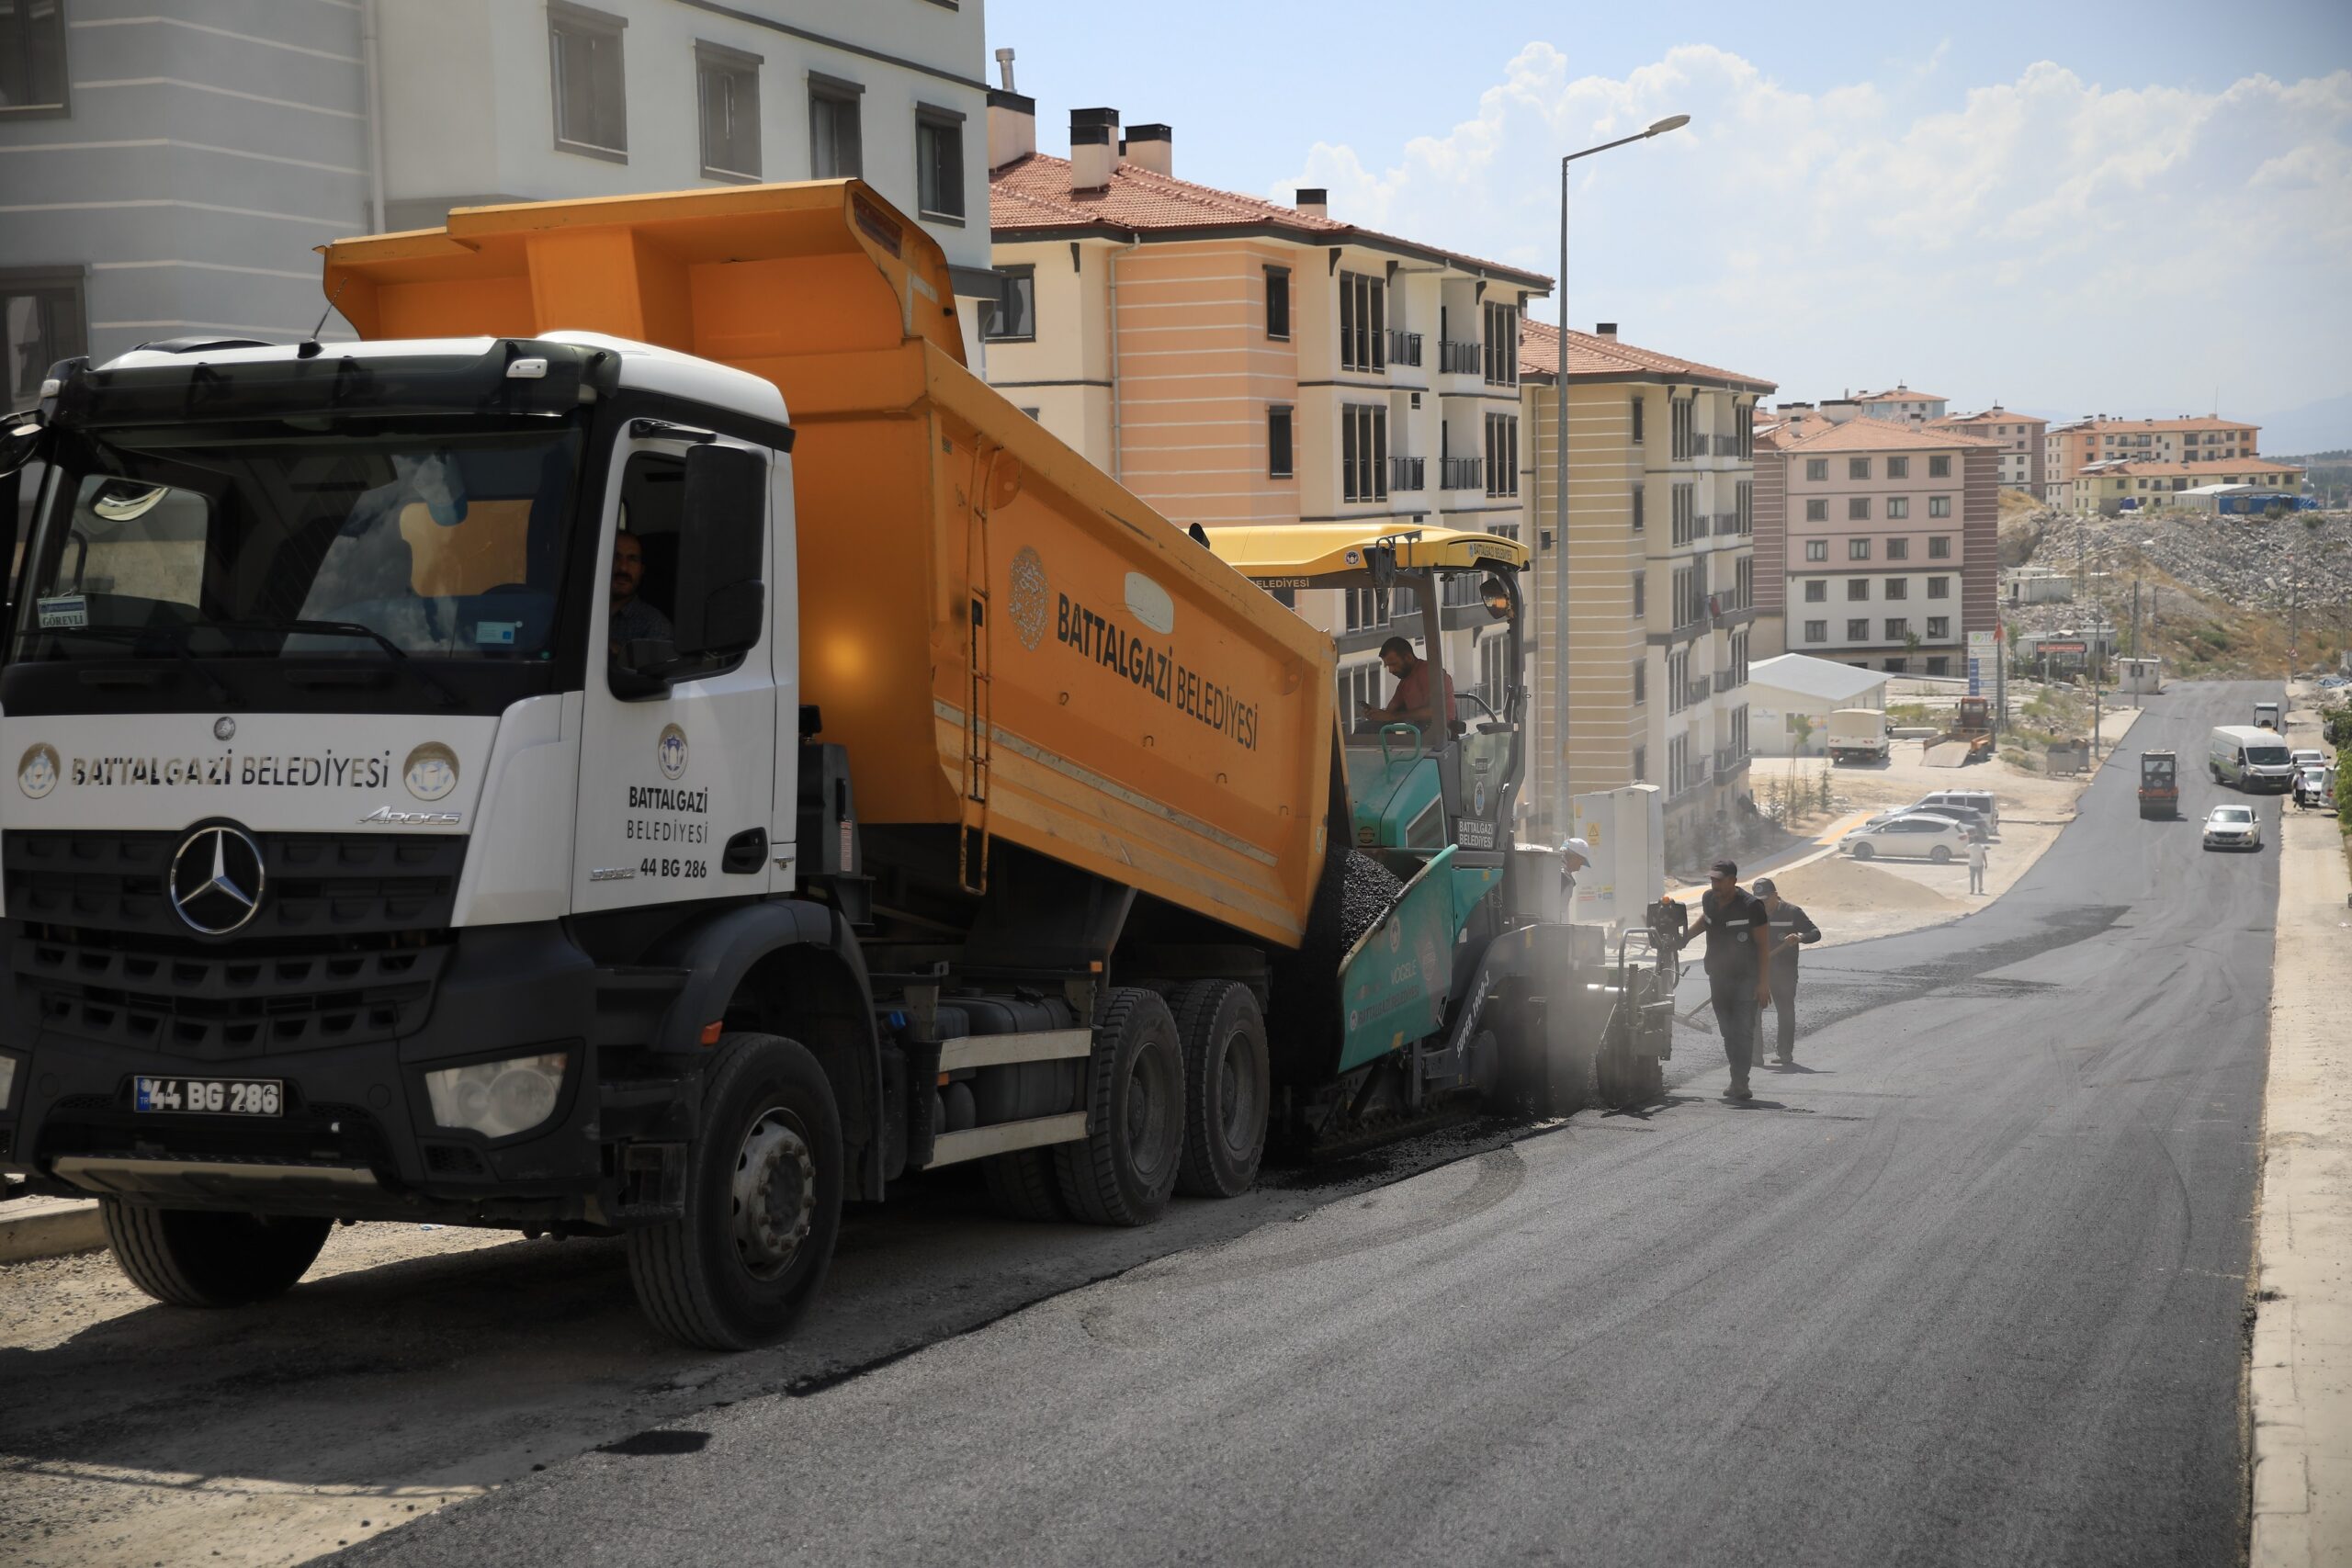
1864	434
1602	358
1032	195
1995	413
1900	394
2203	422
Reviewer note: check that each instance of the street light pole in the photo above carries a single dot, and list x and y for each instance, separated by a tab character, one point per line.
1563	813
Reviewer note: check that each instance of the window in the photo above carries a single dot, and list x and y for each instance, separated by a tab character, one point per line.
1690	597
1743	573
836	150
1278	302
41	315
1939	548
1033	414
1278	447
1677	683
1898	550
1686	514
1897	629
1642	592
1502	453
1858	630
1858	467
1817	510
1939	626
1743	506
1858	588
1364	323
1940	587
1685	411
1816	467
1939	506
591	106
1640	495
1637	421
1641	681
1898	588
1500	353
1012	315
1858	509
1816	591
1937	664
1898	507
1364	452
32	59
1367	608
1359	692
1641	764
1817	549
1939	468
728	84
1898	468
1857	549
1817	631
938	161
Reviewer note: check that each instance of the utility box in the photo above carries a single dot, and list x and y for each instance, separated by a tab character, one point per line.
2141	677
1627	828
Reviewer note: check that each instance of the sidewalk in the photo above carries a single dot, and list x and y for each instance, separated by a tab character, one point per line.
49	1227
2299	1382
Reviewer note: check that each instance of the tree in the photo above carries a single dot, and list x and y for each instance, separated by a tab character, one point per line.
1826	797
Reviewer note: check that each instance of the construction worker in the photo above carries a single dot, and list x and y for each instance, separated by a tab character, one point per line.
1575	855
1792	928
1976	863
1739	980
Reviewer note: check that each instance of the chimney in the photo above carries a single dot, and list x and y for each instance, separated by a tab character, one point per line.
1605	331
1004	68
1151	147
1012	124
1094	142
1314	201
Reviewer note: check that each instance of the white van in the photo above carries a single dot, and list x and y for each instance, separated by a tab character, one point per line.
2250	758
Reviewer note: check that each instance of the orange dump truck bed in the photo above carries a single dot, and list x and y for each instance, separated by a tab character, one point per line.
1001	635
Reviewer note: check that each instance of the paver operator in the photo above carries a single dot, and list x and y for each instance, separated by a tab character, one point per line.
1412	703
1792	928
1739	979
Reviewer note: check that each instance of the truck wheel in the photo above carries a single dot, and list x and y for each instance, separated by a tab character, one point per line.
1023	1186
194	1258
763	1206
1121	1171
1227	1089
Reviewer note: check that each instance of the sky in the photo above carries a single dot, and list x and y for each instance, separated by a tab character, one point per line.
2140	209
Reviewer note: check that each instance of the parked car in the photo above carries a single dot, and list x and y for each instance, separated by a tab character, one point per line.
2232	827
2307	757
1917	836
2314	787
1968	815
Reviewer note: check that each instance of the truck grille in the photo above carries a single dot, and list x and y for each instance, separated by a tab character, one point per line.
318	884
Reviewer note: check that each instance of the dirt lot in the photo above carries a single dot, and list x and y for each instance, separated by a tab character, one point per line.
1852	901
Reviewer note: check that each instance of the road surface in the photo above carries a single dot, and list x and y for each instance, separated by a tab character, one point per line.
1969	1287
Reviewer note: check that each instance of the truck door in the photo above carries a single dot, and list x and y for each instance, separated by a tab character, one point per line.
674	768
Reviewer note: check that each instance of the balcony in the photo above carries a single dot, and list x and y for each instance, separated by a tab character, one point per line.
1459	359
1726	523
1726	446
1404	348
1726	680
1698	691
1407	473
1462	473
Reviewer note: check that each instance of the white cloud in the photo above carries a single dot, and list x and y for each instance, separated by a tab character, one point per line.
2051	240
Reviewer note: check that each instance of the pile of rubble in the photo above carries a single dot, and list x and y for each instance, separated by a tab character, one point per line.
2258	564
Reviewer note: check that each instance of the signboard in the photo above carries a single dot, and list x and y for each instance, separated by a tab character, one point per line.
1981	659
2065	647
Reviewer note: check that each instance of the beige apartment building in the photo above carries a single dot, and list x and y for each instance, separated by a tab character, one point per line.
1237	362
2068	449
2020	436
1661	576
1899	405
1878	542
2128	485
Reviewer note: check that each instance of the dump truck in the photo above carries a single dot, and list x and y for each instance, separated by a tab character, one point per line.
2266	715
647	743
2159	785
1969	738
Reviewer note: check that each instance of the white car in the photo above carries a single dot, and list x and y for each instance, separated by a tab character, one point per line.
2307	757
1917	836
2232	827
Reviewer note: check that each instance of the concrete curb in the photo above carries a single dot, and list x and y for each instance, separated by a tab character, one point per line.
2299	1367
49	1227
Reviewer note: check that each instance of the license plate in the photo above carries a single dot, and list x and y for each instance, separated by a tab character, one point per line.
213	1097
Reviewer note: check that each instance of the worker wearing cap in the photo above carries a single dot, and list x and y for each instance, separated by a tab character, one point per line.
1792	928
1575	855
1739	980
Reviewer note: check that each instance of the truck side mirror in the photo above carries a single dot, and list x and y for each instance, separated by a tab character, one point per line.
24	438
721	602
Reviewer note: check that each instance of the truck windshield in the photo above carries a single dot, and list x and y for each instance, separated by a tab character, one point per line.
351	544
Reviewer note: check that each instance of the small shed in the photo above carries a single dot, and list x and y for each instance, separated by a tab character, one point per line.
1790	699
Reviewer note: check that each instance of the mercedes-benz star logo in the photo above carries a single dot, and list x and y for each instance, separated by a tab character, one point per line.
217	880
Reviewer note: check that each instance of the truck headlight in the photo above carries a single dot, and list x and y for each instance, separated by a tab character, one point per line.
497	1099
7	1079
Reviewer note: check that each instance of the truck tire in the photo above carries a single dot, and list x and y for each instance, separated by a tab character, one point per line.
1226	1087
193	1257
1123	1170
762	1208
1023	1185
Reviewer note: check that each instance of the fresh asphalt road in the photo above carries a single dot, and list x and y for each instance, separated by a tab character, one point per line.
1966	1289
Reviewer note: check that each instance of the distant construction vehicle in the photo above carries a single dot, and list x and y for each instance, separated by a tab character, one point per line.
2159	785
1970	737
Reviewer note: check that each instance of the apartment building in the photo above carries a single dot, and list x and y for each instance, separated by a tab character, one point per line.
167	170
2068	449
1661	578
2021	437
1878	542
1234	361
1898	404
2129	485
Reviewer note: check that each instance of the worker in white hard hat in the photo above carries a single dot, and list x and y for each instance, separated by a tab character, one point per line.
1575	855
